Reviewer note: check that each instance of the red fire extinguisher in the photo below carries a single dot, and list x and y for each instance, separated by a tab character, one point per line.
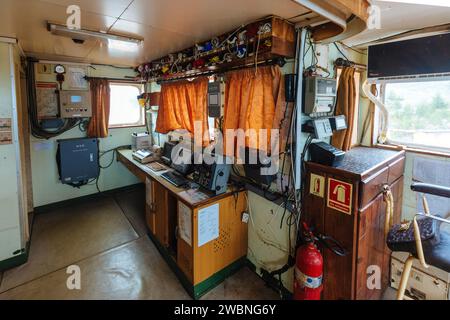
308	270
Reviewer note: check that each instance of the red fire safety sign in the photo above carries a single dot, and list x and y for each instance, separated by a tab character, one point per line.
340	195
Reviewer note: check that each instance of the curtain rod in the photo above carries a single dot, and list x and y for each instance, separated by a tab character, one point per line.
280	61
340	62
130	79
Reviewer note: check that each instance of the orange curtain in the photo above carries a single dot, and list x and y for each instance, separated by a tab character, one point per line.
182	103
254	100
100	95
346	96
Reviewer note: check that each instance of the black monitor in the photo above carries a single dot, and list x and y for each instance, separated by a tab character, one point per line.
166	156
182	160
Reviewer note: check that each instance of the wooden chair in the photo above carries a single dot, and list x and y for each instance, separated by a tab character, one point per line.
436	254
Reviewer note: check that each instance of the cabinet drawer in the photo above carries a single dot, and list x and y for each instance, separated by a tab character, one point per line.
396	170
372	186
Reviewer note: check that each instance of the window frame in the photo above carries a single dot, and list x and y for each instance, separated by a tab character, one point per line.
143	115
393	144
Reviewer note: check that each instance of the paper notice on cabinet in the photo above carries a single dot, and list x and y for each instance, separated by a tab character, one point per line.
185	222
208	224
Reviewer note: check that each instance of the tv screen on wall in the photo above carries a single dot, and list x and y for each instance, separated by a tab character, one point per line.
428	55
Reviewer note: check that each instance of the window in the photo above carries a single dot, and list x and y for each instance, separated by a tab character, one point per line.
125	110
419	113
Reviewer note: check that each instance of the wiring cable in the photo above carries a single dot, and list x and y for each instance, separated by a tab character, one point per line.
340	51
36	128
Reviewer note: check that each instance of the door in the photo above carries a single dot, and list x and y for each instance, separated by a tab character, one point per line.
373	261
161	213
150	205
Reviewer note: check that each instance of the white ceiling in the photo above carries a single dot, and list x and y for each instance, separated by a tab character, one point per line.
165	25
399	17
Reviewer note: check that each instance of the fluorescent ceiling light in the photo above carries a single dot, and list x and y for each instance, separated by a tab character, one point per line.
81	35
114	44
438	3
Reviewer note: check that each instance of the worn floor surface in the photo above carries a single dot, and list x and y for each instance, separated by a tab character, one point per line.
106	238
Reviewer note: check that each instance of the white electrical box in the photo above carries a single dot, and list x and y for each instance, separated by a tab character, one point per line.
423	284
319	96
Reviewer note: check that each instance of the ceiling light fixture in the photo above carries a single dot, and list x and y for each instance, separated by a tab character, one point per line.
81	35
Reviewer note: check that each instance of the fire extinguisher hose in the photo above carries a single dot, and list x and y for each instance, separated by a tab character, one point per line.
332	244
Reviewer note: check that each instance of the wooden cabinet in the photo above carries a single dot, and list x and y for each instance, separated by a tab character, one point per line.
360	230
161	213
200	265
200	262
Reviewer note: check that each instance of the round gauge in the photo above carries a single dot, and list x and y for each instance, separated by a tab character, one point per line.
60	69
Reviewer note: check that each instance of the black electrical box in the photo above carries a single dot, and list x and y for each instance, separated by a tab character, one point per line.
290	87
77	160
254	167
326	154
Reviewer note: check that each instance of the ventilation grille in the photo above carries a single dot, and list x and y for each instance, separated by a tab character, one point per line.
223	241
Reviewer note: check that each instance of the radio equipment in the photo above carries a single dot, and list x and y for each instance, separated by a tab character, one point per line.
213	177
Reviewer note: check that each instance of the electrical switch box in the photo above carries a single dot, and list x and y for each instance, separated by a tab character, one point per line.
75	104
77	160
319	96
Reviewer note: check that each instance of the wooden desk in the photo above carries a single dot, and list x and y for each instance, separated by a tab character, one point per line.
173	220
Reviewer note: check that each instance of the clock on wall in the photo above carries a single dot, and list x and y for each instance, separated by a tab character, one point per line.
60	69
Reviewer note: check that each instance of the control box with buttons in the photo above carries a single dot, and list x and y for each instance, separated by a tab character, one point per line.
213	177
324	127
75	104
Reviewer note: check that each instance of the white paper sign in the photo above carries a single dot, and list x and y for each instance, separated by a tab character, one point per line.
208	224
185	222
75	77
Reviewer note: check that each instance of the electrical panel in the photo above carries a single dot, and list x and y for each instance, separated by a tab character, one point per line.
319	96
77	160
75	104
213	177
324	127
216	99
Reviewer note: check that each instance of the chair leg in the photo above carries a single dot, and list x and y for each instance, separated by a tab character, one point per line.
405	277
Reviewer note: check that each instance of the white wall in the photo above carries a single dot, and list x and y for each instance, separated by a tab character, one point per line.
46	185
10	227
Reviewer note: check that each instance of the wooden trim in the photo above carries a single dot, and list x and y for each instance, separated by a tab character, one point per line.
127	126
358	8
413	150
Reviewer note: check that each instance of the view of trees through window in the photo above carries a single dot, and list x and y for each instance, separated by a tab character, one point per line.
419	113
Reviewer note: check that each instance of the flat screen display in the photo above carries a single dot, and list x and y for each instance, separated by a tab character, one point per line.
75	99
428	55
